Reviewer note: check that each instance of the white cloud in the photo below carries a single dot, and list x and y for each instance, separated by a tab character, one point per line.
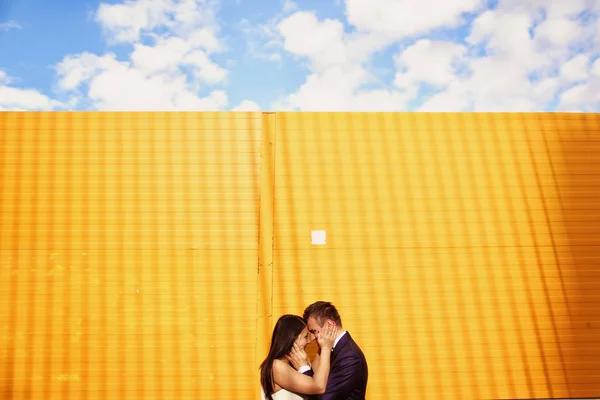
164	56
246	105
20	99
533	45
518	39
25	99
569	9
170	54
576	69
583	96
78	69
168	74
544	90
302	34
128	21
505	36
573	97
263	40
454	98
519	44
339	89
324	43
397	19
496	79
596	67
320	41
205	38
125	21
337	62
204	69
432	62
558	32
8	25
118	85
4	78
518	56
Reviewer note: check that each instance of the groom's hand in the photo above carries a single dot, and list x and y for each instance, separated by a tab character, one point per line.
297	357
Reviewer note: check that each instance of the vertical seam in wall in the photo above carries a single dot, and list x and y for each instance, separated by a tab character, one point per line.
273	119
264	282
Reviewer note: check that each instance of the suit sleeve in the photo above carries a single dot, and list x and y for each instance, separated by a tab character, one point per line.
340	382
310	372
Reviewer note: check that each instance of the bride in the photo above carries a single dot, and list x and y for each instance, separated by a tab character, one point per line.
278	379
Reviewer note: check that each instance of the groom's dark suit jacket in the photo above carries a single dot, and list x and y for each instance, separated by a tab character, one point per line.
348	373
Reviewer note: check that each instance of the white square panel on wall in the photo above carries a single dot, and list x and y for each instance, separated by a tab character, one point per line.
318	237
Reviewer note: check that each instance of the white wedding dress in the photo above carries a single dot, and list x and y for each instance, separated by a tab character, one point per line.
282	395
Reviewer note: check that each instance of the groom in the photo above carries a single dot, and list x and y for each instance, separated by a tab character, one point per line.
348	373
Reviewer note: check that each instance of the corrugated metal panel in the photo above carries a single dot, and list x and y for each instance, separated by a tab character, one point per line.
128	250
462	249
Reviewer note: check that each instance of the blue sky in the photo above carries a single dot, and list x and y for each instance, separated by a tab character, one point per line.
310	55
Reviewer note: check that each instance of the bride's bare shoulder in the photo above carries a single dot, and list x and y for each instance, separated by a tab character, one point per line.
282	371
281	364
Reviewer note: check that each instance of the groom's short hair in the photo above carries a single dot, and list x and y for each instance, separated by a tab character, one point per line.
322	310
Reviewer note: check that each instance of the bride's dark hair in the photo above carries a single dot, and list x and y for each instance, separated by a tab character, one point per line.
286	331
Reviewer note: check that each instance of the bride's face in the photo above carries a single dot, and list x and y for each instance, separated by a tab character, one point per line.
302	340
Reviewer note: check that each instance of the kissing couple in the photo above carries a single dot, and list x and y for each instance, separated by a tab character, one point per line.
338	372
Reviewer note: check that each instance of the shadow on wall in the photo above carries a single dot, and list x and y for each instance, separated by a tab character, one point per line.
579	196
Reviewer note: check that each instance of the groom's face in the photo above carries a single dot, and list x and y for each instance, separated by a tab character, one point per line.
313	328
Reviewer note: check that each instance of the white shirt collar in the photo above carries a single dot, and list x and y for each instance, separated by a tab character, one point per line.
338	339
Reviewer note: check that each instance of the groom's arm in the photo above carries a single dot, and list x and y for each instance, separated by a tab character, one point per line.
311	365
342	377
310	372
299	360
306	369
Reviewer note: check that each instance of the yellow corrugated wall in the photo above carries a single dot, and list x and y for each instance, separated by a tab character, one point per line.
148	255
128	251
463	250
